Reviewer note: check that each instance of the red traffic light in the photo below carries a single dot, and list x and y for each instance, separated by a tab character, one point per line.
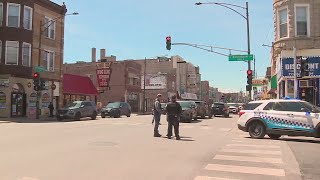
168	38
35	75
249	72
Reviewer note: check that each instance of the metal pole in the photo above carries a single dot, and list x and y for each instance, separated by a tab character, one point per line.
295	73
144	85
248	36
39	58
254	68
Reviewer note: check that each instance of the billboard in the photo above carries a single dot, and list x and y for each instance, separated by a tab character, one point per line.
154	81
103	73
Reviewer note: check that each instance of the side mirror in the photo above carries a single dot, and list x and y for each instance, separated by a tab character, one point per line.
81	106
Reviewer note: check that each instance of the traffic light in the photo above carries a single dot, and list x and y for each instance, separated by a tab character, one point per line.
42	84
248	87
36	81
249	77
304	66
168	42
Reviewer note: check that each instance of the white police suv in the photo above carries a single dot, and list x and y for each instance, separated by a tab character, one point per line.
279	117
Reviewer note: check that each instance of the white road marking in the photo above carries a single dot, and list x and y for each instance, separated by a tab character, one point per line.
246	169
249	159
212	178
252	151
253	146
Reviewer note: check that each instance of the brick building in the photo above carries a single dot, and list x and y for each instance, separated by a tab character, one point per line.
205	96
296	25
124	81
19	53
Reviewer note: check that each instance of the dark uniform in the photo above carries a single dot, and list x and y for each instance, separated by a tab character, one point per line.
173	111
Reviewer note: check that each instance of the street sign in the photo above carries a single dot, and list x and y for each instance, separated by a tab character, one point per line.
248	57
40	69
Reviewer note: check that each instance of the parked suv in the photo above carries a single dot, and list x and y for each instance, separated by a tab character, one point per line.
116	110
189	111
202	109
77	110
220	108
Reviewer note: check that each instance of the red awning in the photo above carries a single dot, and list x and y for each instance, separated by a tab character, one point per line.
75	84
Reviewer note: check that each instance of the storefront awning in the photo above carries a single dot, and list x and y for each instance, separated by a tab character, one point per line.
75	84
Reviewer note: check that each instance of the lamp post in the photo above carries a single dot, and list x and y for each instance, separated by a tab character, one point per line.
246	17
41	31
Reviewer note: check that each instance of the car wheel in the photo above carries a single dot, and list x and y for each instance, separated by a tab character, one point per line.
77	116
274	136
257	130
94	115
103	115
210	116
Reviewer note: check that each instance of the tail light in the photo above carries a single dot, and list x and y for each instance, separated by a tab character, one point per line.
241	113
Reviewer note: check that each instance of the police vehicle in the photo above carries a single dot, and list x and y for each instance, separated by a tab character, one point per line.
279	117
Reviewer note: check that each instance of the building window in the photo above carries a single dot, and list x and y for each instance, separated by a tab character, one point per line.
48	60
27	18
50	28
12	52
302	20
26	54
0	51
283	22
13	15
1	14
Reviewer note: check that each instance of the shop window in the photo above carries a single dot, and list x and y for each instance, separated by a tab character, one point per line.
3	100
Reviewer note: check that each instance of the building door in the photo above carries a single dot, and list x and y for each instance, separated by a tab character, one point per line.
18	104
307	94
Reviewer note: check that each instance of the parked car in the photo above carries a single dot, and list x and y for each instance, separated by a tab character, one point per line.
189	111
77	110
220	108
203	109
233	108
116	110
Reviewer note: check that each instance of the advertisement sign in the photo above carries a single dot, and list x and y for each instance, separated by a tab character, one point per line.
154	82
33	100
288	67
2	100
45	100
103	76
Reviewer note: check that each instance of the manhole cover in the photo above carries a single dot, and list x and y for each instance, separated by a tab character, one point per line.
103	143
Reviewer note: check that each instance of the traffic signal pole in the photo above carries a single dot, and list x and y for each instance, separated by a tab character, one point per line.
248	41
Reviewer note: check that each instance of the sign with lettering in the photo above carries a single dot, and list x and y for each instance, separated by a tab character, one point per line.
103	76
288	67
154	81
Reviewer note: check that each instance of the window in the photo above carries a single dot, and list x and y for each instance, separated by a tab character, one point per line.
12	52
50	28
1	14
283	22
302	20
13	19
26	54
251	106
0	51
290	106
27	18
48	60
269	106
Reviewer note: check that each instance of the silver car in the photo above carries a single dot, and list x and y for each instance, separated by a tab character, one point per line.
77	110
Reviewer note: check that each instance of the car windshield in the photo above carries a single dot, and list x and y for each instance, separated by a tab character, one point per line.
113	105
73	104
185	104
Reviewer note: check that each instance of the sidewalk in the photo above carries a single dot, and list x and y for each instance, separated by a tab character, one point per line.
27	120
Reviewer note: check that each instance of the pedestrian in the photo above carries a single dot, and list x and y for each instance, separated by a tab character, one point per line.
51	108
157	111
173	111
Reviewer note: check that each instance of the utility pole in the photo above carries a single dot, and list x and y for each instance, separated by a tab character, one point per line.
144	85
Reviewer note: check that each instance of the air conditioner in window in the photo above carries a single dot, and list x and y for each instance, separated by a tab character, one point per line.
304	83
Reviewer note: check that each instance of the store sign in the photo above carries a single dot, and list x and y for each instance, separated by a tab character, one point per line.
3	100
33	100
45	100
103	76
154	82
258	82
288	67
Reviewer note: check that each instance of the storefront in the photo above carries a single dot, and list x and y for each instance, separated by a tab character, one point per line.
78	88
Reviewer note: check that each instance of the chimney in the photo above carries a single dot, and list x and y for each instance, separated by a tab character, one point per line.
102	53
94	55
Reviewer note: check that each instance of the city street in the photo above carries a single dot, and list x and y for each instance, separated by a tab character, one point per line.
125	149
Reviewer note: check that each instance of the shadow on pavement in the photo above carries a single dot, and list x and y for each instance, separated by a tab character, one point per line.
41	120
301	140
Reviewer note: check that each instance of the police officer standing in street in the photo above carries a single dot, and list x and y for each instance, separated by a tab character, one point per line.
173	111
157	111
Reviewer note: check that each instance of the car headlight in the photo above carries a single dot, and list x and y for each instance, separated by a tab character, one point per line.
71	111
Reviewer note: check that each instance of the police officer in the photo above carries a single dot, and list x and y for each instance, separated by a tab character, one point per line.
157	111
173	111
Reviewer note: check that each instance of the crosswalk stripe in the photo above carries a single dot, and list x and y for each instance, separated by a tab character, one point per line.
246	169
255	146
212	178
249	159
252	151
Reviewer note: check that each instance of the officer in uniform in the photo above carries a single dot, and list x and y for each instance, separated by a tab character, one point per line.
173	110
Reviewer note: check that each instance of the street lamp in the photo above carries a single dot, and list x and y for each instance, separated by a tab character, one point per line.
41	31
246	17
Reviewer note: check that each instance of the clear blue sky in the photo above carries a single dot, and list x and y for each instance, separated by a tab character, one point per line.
132	29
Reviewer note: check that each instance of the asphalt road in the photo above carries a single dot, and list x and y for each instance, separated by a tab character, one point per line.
125	149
